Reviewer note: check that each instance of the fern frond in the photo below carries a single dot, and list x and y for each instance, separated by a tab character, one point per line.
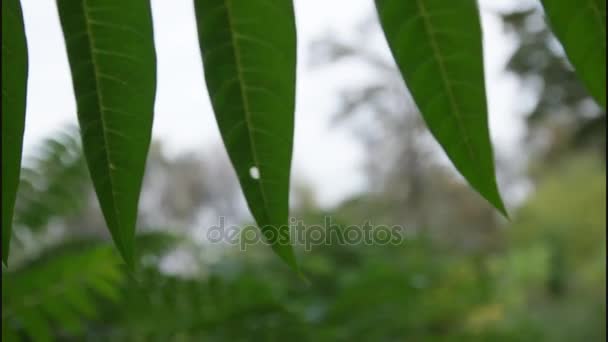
58	294
53	183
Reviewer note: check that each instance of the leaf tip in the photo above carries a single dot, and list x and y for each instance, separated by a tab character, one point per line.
5	253
503	210
127	255
287	255
304	278
497	202
129	261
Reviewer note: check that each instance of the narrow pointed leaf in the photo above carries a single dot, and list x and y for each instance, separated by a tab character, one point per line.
438	48
249	57
580	25
14	88
113	62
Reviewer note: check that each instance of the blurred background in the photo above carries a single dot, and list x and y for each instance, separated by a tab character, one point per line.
361	154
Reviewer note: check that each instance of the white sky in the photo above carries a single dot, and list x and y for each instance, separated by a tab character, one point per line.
327	158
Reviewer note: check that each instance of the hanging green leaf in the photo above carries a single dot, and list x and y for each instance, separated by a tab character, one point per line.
14	88
581	28
249	57
111	52
438	48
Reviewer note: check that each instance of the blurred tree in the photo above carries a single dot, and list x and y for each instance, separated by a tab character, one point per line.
563	116
554	274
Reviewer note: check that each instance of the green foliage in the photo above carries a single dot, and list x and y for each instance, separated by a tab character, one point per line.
581	27
52	182
249	56
546	283
59	292
543	279
555	273
562	202
111	52
218	308
67	287
437	46
250	69
14	84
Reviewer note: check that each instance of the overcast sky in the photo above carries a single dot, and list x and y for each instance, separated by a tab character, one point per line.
327	158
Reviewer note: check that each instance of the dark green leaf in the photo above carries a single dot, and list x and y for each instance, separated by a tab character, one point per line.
438	48
581	28
249	57
111	52
14	88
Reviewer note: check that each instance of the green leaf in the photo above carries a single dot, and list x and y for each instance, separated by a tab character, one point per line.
14	89
581	28
111	53
249	57
438	48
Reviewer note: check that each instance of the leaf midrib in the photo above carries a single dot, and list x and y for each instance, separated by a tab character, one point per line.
428	27
106	147
243	89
